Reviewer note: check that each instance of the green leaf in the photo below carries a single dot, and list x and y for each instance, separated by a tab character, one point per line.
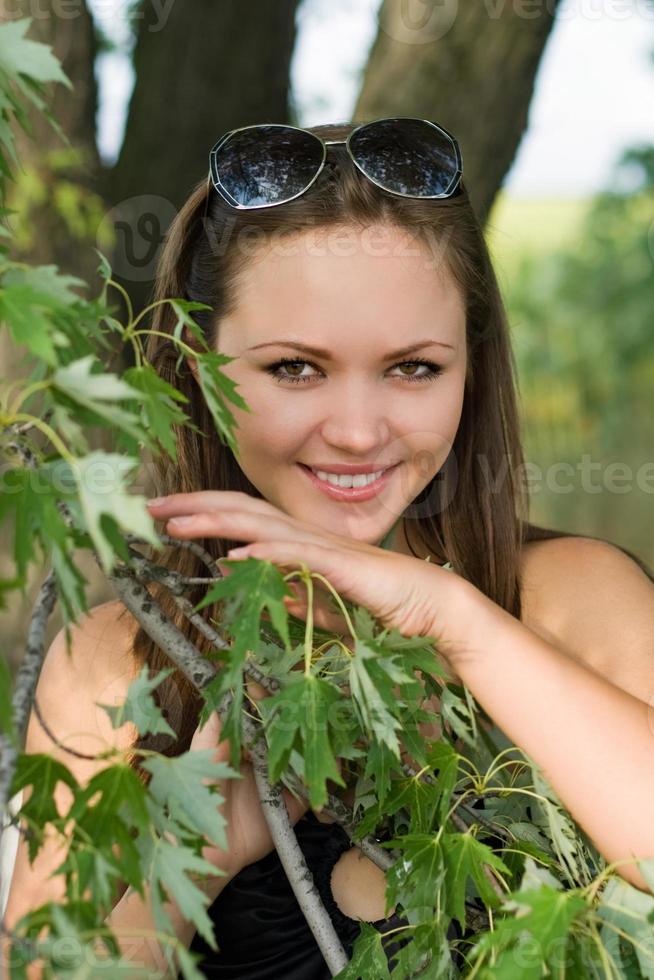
251	588
368	957
119	792
444	760
217	388
70	581
419	798
64	423
182	307
87	382
624	907
48	283
189	963
380	762
21	309
104	266
167	867
538	933
67	948
416	879
464	858
103	853
177	783
565	841
43	313
254	586
160	413
31	503
21	56
139	706
101	863
456	712
425	952
373	694
297	716
42	773
103	493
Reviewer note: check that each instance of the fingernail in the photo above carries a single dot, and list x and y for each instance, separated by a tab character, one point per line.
182	520
237	552
155	501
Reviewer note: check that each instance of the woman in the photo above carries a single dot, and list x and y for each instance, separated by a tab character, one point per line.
368	335
370	342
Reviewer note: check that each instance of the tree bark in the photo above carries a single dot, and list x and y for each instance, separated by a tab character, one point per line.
44	236
470	66
200	72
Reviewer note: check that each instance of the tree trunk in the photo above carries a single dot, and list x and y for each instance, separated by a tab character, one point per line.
469	66
203	70
44	234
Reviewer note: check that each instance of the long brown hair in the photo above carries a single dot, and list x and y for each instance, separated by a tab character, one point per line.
474	512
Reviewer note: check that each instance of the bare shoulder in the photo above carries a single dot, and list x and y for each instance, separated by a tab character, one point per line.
98	667
595	602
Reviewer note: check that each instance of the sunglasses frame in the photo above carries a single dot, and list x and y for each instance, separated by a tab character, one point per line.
214	179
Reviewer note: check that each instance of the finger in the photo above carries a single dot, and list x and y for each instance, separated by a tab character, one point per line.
206	514
202	500
236	525
230	524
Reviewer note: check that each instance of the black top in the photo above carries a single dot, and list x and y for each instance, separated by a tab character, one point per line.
259	926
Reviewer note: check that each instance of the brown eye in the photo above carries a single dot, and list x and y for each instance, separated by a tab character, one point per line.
419	370
289	369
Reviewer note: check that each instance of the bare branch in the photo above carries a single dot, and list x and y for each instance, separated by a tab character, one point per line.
291	856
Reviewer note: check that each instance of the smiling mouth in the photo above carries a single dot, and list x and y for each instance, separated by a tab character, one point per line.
347	480
349	486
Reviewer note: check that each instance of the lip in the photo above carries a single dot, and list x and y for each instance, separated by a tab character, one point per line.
350	494
351	469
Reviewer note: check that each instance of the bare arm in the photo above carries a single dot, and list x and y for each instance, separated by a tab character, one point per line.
591	737
133	924
98	671
101	672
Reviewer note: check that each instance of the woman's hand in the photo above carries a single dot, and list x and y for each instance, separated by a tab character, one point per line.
248	837
403	592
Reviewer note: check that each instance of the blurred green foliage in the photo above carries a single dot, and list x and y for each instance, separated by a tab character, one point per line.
582	321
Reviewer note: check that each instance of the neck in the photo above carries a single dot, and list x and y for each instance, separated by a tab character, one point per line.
397	539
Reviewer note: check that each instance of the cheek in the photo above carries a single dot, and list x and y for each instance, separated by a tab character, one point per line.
428	436
276	427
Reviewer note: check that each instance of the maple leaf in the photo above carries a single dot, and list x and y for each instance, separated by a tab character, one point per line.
297	717
178	784
252	587
139	706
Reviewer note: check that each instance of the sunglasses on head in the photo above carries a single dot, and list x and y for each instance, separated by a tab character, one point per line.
267	164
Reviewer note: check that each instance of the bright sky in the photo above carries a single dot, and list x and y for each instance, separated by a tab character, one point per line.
594	90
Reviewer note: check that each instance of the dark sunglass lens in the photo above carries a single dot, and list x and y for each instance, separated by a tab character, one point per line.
267	164
406	156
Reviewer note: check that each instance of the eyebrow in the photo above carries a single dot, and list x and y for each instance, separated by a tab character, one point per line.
320	352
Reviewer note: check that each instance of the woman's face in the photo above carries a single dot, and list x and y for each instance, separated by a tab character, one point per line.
355	327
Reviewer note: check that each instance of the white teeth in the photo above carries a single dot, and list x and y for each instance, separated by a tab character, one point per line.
347	480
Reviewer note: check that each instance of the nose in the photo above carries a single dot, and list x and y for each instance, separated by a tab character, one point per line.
355	423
